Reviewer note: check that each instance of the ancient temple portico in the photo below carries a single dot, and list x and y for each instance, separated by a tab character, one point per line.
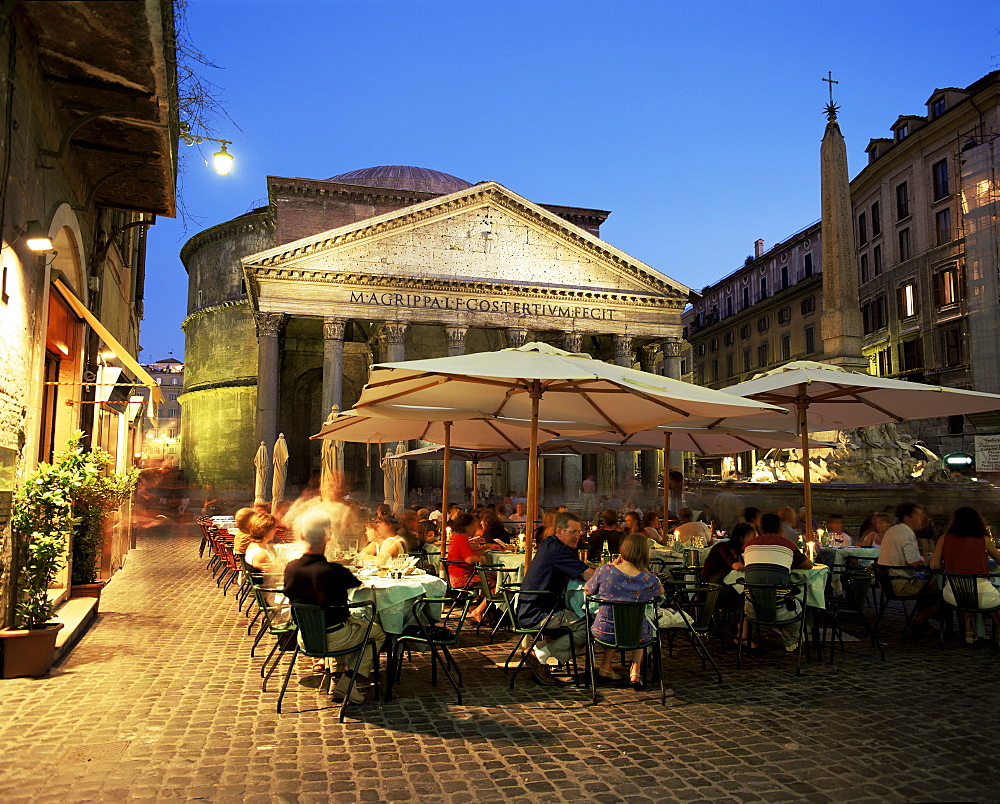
475	269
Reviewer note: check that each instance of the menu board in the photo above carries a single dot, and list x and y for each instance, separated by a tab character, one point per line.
988	453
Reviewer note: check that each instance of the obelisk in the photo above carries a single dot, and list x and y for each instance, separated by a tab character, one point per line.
841	321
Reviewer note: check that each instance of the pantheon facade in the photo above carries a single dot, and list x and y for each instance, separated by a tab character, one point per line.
289	304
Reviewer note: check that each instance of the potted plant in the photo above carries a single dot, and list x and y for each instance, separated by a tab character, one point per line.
97	497
42	523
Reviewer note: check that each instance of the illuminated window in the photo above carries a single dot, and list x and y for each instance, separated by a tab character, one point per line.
946	287
908	300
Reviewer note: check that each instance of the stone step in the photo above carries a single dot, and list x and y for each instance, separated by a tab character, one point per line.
76	615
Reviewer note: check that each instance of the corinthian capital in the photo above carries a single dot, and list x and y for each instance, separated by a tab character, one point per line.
333	329
269	325
623	349
456	339
516	337
394	332
671	347
572	341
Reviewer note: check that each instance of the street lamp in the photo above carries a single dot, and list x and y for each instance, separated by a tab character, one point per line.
222	160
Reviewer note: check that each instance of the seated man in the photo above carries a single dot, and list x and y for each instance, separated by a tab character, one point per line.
688	530
314	580
835	531
520	515
768	559
788	521
899	549
607	533
554	564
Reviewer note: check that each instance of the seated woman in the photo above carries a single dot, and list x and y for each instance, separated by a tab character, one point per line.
383	543
962	551
726	556
626	579
259	554
608	533
493	529
242	539
461	573
652	527
880	524
633	523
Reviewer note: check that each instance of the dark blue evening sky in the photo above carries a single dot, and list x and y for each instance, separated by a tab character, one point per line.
697	124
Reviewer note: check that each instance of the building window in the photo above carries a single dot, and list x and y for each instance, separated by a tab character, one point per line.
684	333
810	333
904	245
700	350
808	305
908	300
714	345
956	424
911	356
746	298
903	132
747	362
762	358
786	346
864	268
807	265
763	288
902	202
876	221
952	346
763	324
873	315
728	338
862	230
745	331
684	366
939	174
730	365
884	358
876	260
729	306
784	315
937	107
946	287
715	370
942	226
784	277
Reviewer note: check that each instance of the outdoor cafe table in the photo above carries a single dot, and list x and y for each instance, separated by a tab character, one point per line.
814	579
513	561
394	598
837	556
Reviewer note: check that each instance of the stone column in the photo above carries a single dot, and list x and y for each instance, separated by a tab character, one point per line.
650	460
393	339
269	329
333	364
516	337
573	341
455	336
671	367
624	461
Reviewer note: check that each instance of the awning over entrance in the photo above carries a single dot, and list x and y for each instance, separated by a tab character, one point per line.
109	340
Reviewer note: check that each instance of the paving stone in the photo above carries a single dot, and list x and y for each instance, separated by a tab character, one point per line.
161	701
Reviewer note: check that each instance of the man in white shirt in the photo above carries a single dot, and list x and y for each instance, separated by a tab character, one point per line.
900	550
688	530
520	515
837	537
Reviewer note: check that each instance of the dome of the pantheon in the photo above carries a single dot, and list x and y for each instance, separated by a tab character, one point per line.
404	177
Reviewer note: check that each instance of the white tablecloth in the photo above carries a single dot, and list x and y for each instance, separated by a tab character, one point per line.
394	599
511	561
837	556
815	580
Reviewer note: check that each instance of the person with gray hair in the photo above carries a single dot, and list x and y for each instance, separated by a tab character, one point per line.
314	580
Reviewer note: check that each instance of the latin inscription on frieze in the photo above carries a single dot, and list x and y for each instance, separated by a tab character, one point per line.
480	305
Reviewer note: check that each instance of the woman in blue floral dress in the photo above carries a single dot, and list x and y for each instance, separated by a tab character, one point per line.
626	579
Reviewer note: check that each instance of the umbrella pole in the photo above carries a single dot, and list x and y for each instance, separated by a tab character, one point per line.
529	525
666	482
475	483
802	405
445	479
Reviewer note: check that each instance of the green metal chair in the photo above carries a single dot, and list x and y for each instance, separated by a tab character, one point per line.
426	631
494	593
627	619
699	601
883	578
965	588
855	583
765	599
311	622
519	629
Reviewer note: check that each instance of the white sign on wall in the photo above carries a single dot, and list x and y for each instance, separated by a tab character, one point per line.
988	453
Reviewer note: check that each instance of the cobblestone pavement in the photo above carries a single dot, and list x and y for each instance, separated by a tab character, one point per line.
160	700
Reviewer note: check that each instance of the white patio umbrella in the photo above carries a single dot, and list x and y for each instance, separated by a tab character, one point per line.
260	476
466	428
540	382
280	459
826	397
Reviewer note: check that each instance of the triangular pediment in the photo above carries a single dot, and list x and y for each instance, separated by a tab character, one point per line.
483	234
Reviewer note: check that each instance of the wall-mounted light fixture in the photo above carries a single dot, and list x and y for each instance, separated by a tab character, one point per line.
36	238
222	160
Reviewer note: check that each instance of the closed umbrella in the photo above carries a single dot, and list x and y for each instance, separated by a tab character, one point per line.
826	397
280	459
399	480
386	464
260	477
331	463
538	382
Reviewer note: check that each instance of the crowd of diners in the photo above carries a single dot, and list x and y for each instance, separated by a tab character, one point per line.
611	557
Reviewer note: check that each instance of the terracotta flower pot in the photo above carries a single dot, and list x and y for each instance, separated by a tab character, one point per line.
87	589
30	652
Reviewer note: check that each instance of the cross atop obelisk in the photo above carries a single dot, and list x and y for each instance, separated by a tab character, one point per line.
831	108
